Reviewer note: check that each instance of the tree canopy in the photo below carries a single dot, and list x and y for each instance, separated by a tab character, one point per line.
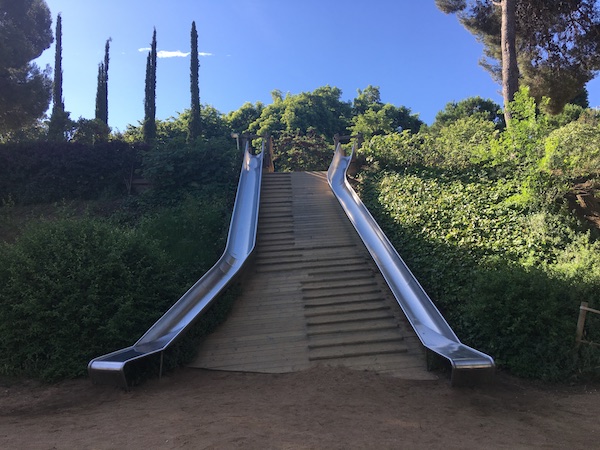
322	109
557	42
25	90
59	119
194	128
150	93
102	90
477	107
370	116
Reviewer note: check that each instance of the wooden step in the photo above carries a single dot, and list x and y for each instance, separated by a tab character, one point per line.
311	295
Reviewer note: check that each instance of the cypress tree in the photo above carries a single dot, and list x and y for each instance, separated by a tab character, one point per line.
150	97
102	91
194	126
59	118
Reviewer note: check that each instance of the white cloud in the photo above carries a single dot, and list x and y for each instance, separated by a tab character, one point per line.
171	54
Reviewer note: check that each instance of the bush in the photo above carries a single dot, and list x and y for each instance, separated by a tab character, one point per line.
399	150
507	278
526	319
465	142
193	233
177	168
574	151
40	172
76	289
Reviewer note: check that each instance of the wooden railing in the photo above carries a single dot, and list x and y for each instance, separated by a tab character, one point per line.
583	310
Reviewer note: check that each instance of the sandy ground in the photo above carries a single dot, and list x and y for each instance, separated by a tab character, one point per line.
332	408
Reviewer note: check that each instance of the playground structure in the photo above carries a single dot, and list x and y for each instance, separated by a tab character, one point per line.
468	365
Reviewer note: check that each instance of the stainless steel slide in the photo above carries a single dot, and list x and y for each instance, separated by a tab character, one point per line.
434	332
110	368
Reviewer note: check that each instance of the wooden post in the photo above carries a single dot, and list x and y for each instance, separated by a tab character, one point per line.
268	158
581	322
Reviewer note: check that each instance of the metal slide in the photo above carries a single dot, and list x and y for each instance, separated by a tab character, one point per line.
110	368
468	364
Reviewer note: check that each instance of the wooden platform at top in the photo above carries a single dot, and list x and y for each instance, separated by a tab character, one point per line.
312	295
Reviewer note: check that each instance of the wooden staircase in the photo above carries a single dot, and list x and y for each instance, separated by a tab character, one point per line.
313	294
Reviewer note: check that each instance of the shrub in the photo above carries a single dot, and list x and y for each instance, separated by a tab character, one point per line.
177	168
76	289
573	151
465	142
40	172
525	318
193	233
400	150
507	278
521	145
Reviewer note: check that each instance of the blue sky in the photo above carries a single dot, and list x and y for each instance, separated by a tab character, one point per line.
419	57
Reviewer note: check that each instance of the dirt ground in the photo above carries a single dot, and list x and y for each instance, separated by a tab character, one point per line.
332	408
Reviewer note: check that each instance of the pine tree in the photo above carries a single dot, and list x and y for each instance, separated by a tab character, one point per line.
150	97
59	119
554	45
25	89
102	91
195	125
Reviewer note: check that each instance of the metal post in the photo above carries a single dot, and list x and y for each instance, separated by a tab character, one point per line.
236	136
160	370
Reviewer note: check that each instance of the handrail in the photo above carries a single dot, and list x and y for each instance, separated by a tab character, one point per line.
110	368
430	326
583	310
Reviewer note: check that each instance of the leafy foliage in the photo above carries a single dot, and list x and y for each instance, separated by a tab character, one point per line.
476	215
239	120
471	107
372	117
85	287
557	43
175	130
194	127
465	142
398	150
177	168
149	124
508	279
89	286
47	172
321	110
301	152
574	151
26	90
102	89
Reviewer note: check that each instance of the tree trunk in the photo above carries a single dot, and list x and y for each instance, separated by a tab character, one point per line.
510	70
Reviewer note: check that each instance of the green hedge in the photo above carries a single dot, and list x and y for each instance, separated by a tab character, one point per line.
508	279
177	168
76	289
40	172
73	289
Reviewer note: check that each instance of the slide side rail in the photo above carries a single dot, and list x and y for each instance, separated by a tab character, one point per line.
241	241
468	365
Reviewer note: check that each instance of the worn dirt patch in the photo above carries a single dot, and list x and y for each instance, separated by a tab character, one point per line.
331	408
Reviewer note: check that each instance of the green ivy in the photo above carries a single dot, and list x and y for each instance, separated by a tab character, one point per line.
508	277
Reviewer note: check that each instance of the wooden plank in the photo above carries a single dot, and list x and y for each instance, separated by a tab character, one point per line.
312	294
